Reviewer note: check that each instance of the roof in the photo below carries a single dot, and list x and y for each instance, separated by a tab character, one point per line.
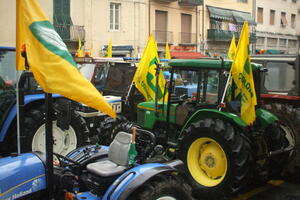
230	15
187	55
206	64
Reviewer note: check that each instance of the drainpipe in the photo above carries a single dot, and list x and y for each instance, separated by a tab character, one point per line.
197	39
254	28
203	4
149	15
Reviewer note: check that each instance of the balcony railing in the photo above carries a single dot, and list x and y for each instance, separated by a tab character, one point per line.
163	36
187	38
225	35
70	33
190	2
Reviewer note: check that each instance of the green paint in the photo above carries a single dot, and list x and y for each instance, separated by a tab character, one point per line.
212	113
265	118
44	32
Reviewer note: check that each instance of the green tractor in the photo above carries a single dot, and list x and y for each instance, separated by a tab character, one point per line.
222	155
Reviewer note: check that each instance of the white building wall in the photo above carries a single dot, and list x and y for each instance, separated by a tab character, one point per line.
276	31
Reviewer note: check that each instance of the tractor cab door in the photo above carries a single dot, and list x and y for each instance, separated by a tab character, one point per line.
197	89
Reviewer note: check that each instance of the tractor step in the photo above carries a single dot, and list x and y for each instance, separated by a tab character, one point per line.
280	151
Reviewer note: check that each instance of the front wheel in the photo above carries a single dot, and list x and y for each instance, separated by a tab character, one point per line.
218	158
163	187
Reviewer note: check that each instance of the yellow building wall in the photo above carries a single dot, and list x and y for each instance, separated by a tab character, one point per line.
8	20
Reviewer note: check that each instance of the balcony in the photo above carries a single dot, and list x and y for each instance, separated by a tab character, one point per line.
187	38
190	2
225	35
70	33
163	37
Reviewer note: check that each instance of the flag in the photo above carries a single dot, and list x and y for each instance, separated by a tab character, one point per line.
167	55
144	77
49	60
232	49
241	72
109	50
231	55
79	50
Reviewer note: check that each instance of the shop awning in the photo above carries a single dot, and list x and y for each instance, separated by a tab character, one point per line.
230	15
187	55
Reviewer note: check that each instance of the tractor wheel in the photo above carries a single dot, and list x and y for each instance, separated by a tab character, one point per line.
218	158
163	187
289	117
279	136
106	128
34	132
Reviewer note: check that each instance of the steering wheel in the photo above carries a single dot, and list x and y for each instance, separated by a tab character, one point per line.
62	160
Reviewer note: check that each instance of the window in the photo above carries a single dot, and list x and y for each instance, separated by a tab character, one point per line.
283	20
260	18
272	42
260	40
244	1
282	42
186	28
115	16
161	23
272	17
293	18
293	43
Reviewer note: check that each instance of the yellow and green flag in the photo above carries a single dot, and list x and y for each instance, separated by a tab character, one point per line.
241	72
167	54
232	49
109	49
79	50
144	77
231	55
52	65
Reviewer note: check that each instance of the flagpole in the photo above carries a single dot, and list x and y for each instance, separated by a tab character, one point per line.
18	114
225	90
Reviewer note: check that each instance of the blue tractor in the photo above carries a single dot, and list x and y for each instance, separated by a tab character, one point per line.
70	129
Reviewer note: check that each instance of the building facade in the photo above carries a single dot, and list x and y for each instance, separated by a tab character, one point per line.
221	19
278	27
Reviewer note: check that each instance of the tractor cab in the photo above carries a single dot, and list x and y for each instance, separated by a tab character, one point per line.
192	85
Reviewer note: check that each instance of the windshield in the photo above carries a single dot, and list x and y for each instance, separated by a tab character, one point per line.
280	77
200	86
7	81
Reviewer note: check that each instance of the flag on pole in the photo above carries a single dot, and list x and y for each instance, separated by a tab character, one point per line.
79	50
52	65
232	49
109	49
144	77
167	54
241	72
231	55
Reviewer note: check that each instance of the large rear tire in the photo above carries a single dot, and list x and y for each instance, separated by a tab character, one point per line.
218	158
289	116
163	187
34	133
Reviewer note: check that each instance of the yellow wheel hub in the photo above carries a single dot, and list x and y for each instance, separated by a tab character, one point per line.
207	162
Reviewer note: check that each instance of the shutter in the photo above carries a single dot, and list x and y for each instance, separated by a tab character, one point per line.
186	28
161	26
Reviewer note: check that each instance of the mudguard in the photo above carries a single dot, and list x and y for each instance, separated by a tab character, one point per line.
265	118
13	112
213	113
21	175
135	177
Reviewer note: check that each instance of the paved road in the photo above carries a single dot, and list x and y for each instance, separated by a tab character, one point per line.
274	190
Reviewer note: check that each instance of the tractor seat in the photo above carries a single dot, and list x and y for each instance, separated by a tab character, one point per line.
117	161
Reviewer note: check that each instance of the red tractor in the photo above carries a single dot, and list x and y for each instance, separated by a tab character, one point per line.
281	90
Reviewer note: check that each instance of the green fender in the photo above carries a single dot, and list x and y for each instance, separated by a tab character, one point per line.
213	113
264	118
